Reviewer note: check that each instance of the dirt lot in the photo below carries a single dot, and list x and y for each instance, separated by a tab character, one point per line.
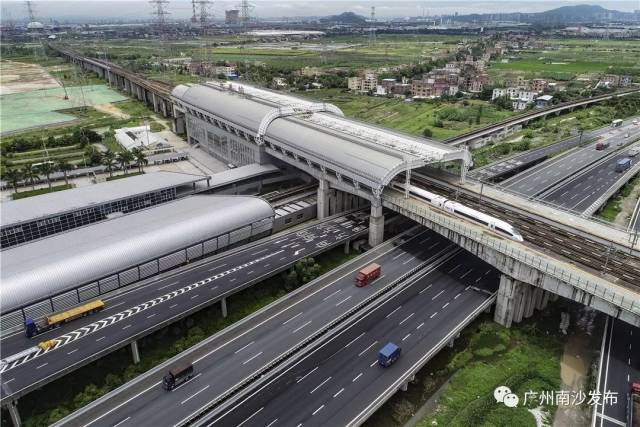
16	77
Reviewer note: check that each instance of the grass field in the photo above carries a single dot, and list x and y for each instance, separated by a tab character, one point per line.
39	191
413	117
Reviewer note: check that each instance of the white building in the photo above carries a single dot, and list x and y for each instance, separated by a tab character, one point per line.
141	137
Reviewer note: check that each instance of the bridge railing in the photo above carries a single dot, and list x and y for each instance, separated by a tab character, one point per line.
510	249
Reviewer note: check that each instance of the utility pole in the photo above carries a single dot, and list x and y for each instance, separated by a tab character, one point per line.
160	14
204	12
245	7
194	18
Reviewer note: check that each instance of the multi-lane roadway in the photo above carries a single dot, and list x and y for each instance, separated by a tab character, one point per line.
341	382
229	360
146	308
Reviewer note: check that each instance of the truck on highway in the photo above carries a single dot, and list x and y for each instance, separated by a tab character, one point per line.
623	164
616	123
633	417
177	376
388	355
602	146
368	274
633	152
34	327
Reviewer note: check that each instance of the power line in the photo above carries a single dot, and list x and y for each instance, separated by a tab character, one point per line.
194	18
372	27
245	17
30	11
160	13
204	12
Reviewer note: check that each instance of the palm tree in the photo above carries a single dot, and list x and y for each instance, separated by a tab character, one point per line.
141	158
13	176
29	175
109	160
46	168
64	166
125	157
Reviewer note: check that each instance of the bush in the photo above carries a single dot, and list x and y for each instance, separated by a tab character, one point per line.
427	133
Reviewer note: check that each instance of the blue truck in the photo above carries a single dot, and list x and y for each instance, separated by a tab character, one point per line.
388	355
623	164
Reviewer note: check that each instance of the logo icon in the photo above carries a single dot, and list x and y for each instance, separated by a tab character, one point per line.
503	394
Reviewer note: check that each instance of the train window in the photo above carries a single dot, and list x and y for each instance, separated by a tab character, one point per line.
502	230
471	218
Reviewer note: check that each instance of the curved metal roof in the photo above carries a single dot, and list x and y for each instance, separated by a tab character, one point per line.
37	270
373	154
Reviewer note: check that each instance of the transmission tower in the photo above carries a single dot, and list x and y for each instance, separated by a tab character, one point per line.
204	12
194	18
30	11
245	8
372	27
160	13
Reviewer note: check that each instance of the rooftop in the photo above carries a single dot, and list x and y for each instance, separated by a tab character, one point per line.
46	205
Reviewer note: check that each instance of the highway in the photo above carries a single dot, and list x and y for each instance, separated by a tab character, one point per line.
619	367
143	309
579	193
539	179
237	355
335	384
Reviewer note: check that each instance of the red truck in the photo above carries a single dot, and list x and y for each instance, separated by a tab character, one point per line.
368	274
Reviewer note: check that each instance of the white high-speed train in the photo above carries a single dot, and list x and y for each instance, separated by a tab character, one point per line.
494	224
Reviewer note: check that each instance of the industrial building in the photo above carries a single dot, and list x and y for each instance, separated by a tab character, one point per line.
55	273
48	214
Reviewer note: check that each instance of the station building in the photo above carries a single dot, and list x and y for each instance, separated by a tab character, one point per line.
50	275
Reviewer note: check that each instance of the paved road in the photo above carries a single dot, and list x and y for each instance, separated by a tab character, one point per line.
146	308
620	366
539	179
331	386
225	363
578	194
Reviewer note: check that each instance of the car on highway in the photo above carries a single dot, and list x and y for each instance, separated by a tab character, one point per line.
623	164
602	146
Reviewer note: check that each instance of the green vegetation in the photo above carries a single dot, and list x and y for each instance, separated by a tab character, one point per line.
39	191
65	395
614	206
526	357
124	175
444	118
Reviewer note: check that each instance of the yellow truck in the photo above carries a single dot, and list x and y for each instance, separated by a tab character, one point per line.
32	328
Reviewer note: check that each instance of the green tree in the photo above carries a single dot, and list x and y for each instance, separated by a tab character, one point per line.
141	158
427	133
13	177
30	175
46	168
64	166
125	157
109	160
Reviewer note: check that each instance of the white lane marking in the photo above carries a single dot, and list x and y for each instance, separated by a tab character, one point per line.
113	306
309	373
217	267
151	315
399	255
124	403
122	422
444	306
126	327
406	336
409	260
354	340
195	296
466	274
317	410
100	339
251	416
366	349
287	321
329	296
166	286
300	327
242	348
259	252
425	289
338	393
346	299
251	358
42	366
456	297
454	268
320	385
195	394
272	423
389	315
406	318
375	362
356	378
433	315
612	420
420	325
73	351
437	295
171	306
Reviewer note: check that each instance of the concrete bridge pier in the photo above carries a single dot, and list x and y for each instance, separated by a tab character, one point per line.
376	224
517	300
223	307
135	354
12	407
323	198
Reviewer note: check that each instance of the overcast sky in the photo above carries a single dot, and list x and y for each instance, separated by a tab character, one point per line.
180	9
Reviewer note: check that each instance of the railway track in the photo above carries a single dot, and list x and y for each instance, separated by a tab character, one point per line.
596	256
279	195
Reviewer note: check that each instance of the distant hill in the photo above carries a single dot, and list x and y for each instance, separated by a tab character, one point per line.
583	13
344	18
